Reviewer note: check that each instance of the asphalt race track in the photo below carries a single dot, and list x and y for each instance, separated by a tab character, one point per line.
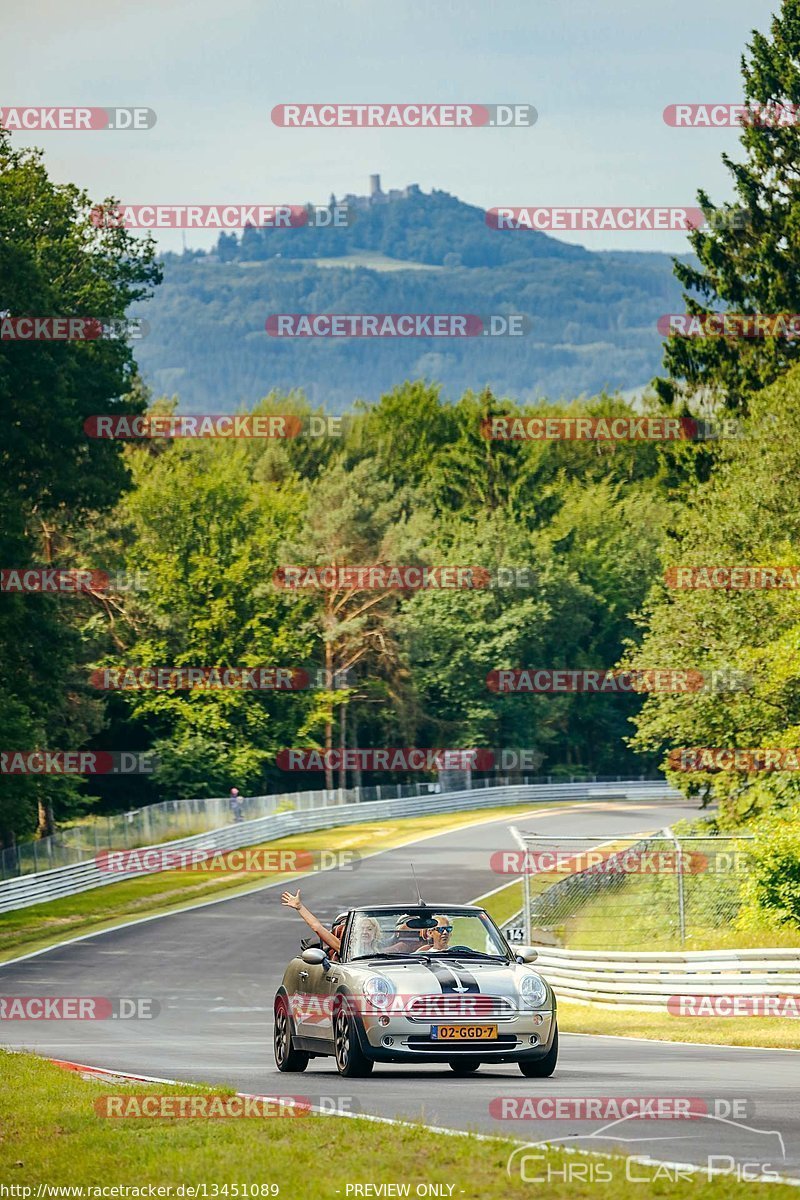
214	971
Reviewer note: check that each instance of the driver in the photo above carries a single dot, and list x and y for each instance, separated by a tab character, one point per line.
406	938
437	939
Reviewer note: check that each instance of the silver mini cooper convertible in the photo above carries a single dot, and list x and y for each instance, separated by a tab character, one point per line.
418	984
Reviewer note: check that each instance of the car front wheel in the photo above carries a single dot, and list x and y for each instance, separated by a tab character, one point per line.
286	1057
541	1068
351	1061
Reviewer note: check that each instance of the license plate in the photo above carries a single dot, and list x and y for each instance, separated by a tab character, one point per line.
463	1033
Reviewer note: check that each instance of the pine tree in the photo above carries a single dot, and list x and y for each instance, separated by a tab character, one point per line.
750	252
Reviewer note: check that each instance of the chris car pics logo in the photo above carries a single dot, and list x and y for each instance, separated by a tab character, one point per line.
740	1151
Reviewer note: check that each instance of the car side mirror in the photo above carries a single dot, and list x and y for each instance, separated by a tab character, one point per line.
314	956
526	954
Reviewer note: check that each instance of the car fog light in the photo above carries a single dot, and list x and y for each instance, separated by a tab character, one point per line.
534	1039
537	1018
383	1020
388	1041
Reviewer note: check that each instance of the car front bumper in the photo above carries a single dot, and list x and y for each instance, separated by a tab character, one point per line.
401	1040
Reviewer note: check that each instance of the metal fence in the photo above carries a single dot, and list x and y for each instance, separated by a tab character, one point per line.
174	819
59	882
627	894
154	824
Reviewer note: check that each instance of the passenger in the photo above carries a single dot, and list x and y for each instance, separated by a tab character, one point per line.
366	936
337	929
438	939
331	937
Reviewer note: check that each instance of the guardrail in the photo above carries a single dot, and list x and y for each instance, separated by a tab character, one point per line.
169	820
67	881
647	979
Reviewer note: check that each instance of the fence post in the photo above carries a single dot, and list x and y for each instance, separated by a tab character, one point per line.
526	883
679	864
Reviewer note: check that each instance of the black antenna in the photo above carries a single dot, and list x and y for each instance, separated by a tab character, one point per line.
421	902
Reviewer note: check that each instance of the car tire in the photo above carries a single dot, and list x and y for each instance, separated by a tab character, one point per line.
287	1058
541	1068
351	1061
464	1066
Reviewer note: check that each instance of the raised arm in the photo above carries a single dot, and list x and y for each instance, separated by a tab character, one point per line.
293	901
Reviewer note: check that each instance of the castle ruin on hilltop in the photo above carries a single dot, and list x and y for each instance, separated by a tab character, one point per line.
377	196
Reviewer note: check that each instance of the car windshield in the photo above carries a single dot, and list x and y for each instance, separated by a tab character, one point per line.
405	932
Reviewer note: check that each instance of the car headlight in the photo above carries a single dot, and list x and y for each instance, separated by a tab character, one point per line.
378	991
532	990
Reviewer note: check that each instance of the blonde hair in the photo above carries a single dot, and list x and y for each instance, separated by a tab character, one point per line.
369	933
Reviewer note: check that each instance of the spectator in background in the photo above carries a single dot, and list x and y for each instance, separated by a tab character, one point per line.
236	805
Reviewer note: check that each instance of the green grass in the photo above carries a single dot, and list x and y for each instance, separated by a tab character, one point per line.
56	1137
619	923
43	925
642	913
777	1033
505	904
641	926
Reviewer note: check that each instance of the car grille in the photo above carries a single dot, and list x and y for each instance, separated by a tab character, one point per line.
505	1041
465	1006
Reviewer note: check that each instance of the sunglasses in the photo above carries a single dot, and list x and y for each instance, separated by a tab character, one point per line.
443	929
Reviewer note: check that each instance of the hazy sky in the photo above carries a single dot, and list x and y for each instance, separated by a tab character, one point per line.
599	74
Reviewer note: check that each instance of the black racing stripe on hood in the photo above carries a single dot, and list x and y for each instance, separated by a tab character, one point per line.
453	977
